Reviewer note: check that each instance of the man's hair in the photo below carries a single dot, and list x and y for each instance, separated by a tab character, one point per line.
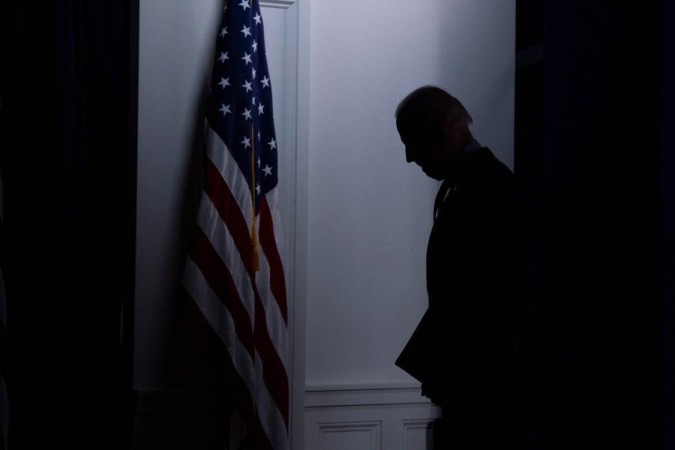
431	103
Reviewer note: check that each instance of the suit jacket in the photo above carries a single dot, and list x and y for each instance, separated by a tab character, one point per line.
463	344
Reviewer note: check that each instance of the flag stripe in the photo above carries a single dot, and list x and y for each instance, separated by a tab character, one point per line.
225	204
269	246
220	280
276	324
274	372
271	416
221	321
220	156
223	242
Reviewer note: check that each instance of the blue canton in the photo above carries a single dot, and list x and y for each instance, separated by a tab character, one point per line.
240	97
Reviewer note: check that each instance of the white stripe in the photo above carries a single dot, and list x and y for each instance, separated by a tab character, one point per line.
271	418
221	157
220	320
276	326
211	224
276	219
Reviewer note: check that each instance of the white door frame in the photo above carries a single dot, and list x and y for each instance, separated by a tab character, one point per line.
293	193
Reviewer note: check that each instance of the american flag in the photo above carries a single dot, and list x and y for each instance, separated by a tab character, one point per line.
234	271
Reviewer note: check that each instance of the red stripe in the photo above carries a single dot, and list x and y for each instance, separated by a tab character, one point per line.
219	278
269	246
228	209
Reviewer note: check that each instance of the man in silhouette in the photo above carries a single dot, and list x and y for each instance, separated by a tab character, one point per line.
464	350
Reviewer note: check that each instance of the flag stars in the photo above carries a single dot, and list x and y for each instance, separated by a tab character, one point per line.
268	170
247	86
244	4
253	73
265	81
246	142
255	46
257	189
223	31
261	109
246	31
225	109
224	56
258	162
246	58
224	82
247	113
272	144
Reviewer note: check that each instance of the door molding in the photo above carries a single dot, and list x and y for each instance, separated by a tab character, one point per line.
293	193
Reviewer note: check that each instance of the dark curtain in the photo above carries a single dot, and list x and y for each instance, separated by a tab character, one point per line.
596	173
68	169
667	233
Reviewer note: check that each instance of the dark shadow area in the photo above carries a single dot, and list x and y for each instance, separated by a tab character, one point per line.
593	174
180	420
69	101
667	233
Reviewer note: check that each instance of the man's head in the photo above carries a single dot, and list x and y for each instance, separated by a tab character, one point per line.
433	126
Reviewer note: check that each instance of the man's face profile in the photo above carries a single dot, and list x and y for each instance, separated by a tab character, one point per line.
423	148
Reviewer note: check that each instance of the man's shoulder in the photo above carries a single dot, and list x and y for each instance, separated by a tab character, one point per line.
495	163
483	167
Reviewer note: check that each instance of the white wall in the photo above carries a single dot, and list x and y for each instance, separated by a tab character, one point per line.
369	211
176	39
